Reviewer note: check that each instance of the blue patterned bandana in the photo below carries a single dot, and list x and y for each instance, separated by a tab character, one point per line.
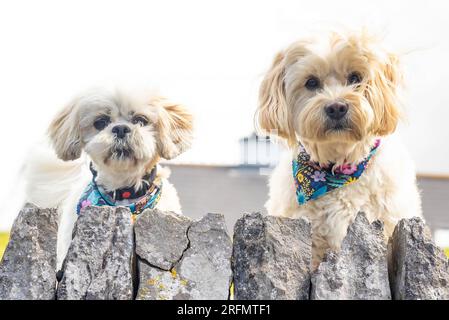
145	198
313	181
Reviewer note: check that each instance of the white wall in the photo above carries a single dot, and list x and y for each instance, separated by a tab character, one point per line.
209	55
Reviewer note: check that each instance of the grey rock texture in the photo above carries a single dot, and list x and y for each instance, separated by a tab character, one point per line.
418	269
27	270
360	270
202	270
161	237
168	256
99	263
271	258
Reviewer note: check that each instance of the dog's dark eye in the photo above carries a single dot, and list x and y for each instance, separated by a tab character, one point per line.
354	78
140	120
101	123
313	83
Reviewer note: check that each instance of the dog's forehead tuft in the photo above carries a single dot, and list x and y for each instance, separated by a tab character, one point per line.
116	104
142	108
128	105
91	105
321	48
328	48
332	56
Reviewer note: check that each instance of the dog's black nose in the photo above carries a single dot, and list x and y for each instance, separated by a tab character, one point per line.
336	111
121	131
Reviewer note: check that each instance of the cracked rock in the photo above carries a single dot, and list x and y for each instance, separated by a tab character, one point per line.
359	271
161	237
418	268
27	271
271	258
99	262
203	271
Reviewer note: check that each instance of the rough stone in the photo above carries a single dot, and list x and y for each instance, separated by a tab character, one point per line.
161	237
271	258
28	268
202	272
178	258
359	271
418	269
99	263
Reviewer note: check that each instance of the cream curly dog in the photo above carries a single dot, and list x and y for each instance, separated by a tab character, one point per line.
334	101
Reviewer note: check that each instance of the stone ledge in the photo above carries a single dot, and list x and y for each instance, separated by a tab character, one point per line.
167	256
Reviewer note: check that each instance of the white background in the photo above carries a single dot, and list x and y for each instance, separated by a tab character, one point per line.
210	55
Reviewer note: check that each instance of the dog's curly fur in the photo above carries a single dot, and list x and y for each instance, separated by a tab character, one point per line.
294	113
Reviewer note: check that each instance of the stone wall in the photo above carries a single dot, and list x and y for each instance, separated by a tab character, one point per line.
166	256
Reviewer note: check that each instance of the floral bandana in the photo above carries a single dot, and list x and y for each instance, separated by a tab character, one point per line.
136	201
313	181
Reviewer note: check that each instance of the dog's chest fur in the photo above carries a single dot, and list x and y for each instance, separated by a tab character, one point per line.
386	191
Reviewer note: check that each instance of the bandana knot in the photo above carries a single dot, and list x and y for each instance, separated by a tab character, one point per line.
313	181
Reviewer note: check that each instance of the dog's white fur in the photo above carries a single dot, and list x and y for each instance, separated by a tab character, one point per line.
57	177
387	190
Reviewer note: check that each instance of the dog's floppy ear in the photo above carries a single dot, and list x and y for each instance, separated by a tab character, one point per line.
272	115
175	126
382	93
64	132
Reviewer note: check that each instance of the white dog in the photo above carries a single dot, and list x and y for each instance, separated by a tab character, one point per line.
334	101
123	138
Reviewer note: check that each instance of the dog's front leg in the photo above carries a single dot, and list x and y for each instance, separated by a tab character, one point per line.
67	220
